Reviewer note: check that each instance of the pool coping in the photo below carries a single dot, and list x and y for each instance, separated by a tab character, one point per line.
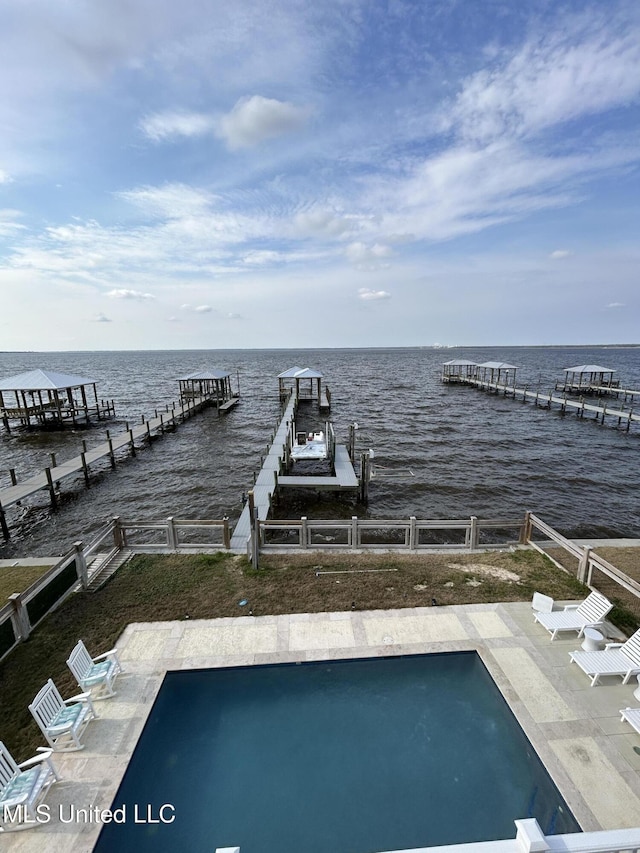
575	729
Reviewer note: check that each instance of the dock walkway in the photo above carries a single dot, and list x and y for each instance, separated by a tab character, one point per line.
50	476
579	406
267	480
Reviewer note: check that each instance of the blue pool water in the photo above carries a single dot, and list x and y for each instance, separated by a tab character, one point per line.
351	756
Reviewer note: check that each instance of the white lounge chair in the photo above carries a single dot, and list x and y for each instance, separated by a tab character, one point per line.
574	617
96	675
615	659
62	721
22	786
632	716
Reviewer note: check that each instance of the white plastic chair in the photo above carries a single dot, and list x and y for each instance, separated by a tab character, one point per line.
22	787
615	659
62	721
574	617
96	675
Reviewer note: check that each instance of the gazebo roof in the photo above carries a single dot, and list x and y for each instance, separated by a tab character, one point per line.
300	373
498	365
460	362
205	374
588	368
43	380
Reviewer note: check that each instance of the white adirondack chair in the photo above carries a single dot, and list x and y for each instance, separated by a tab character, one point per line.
589	614
615	659
96	675
22	787
62	721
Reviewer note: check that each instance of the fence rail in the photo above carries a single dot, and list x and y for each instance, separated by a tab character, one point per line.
381	534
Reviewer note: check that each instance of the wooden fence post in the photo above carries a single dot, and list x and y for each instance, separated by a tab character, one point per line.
81	565
255	543
226	535
21	623
172	540
119	536
525	530
304	541
583	565
473	534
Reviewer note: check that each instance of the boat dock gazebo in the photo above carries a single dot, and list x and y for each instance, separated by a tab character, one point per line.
307	383
212	384
459	370
496	372
41	398
589	379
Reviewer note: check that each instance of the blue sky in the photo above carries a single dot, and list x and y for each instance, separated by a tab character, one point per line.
347	173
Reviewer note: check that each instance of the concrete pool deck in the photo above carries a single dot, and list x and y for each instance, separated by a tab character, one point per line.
575	729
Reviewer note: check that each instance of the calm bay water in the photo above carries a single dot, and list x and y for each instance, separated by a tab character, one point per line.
440	451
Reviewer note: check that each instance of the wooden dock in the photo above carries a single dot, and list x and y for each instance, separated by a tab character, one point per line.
267	480
270	479
50	477
600	411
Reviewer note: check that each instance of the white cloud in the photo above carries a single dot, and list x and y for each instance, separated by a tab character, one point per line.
369	257
616	305
203	309
102	318
320	222
371	295
570	72
4	177
254	119
167	125
8	225
558	254
233	316
171	201
122	293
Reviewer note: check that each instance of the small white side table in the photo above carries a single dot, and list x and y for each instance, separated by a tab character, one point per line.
593	640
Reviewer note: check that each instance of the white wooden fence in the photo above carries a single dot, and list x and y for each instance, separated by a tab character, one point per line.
25	610
359	534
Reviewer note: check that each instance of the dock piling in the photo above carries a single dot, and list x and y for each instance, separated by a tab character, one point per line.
85	468
52	491
3	524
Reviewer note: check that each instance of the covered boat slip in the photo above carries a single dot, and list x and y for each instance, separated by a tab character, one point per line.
41	398
307	384
213	385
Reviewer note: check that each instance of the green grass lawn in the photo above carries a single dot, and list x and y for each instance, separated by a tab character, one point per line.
18	578
157	588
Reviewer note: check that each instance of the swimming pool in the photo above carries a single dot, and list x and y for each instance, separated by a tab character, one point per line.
350	755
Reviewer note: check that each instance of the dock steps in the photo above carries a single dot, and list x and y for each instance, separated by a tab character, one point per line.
104	566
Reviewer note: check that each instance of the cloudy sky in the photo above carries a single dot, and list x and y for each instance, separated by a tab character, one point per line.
286	173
